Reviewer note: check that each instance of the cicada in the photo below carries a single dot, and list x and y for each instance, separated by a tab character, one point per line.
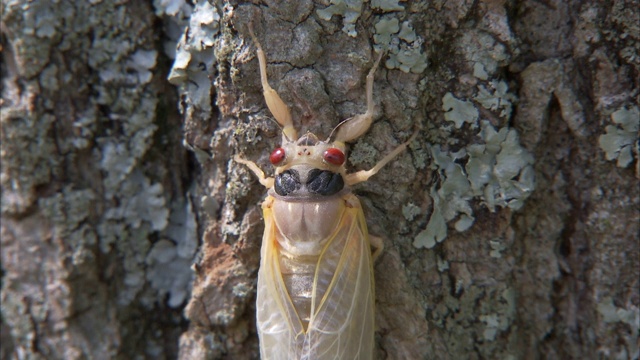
315	294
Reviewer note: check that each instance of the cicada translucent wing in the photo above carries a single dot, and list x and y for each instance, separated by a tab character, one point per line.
315	284
315	301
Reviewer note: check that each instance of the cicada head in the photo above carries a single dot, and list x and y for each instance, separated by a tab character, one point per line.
309	151
308	166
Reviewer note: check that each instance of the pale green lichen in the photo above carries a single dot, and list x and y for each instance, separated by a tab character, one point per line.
114	197
142	62
436	230
612	314
177	14
500	320
146	204
497	247
127	227
138	204
505	175
459	111
479	71
26	160
475	311
350	10
169	260
387	5
442	264
410	211
402	43
407	33
464	223
72	208
49	78
450	199
195	55
498	172
618	142
420	156
385	28
496	98
172	7
363	153
484	51
85	127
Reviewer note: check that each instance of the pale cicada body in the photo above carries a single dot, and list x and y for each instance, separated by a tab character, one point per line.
315	283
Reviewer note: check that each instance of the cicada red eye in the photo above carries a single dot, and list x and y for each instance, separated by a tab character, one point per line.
277	156
333	156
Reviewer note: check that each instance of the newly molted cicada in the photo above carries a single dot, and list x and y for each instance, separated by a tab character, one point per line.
315	283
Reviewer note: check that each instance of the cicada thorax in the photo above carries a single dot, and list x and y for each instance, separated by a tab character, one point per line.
307	209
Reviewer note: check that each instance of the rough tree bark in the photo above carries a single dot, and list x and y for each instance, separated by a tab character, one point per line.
510	225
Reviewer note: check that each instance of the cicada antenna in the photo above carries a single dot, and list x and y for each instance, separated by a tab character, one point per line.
336	128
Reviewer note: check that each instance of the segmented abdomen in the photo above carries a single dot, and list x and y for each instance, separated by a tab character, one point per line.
298	273
320	305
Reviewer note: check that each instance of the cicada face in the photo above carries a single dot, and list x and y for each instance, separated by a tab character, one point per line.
309	168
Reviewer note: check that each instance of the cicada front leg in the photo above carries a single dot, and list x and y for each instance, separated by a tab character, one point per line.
364	175
359	124
278	108
265	181
377	245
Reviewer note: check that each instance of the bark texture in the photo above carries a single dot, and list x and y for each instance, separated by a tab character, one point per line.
510	225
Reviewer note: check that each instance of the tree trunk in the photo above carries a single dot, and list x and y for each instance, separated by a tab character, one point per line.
510	224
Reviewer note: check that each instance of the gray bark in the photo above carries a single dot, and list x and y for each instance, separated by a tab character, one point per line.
120	242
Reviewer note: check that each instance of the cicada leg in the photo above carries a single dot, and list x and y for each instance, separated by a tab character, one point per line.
359	124
265	181
364	175
278	108
375	242
377	245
